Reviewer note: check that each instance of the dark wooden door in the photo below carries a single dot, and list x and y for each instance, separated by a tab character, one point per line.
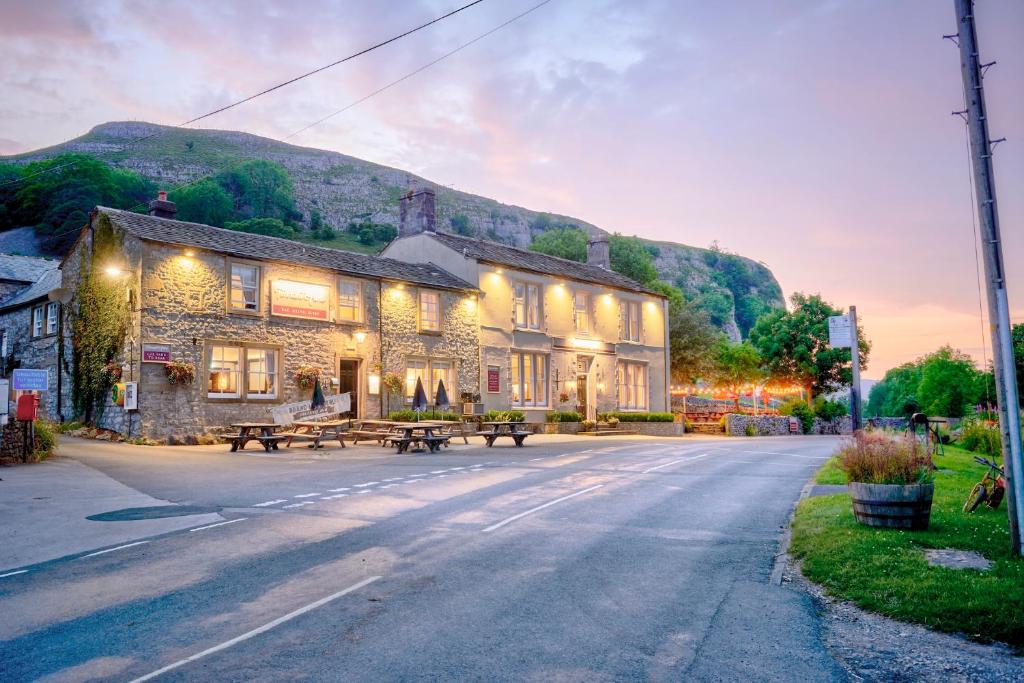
348	382
581	395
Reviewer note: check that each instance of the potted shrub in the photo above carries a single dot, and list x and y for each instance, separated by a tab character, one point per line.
588	425
306	376
891	480
180	372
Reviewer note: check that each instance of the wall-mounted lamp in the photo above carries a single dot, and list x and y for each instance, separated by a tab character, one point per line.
360	337
190	253
113	271
373	384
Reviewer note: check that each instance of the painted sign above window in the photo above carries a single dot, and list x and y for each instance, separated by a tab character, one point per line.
156	353
292	299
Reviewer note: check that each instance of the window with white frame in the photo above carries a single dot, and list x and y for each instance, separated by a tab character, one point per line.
350	300
629	313
430	372
51	318
224	366
581	311
526	305
631	379
430	311
245	287
37	321
414	370
440	371
529	379
261	373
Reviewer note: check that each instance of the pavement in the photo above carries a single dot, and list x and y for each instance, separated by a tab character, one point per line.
570	559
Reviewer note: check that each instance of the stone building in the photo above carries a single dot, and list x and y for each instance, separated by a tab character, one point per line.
31	322
554	334
248	311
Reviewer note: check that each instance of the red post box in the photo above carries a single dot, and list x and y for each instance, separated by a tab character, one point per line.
28	407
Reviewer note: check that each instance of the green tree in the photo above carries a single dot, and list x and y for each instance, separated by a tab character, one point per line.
261	189
949	384
460	225
263	226
203	202
692	341
737	366
794	346
567	243
631	258
1018	358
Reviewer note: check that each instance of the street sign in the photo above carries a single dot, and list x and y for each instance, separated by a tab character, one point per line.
839	332
25	379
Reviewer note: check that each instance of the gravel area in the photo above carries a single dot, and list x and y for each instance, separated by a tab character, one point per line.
874	648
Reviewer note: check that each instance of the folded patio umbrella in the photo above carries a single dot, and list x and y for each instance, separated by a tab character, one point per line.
318	400
419	397
441	400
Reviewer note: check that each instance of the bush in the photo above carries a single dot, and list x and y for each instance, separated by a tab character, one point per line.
976	436
611	421
504	416
588	425
46	439
563	416
638	417
409	415
876	458
829	410
800	410
65	427
750	429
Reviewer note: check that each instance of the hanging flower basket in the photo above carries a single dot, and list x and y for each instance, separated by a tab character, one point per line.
306	376
180	372
393	382
112	372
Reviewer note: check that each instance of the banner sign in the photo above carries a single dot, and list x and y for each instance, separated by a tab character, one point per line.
156	353
302	410
290	299
25	379
493	379
839	331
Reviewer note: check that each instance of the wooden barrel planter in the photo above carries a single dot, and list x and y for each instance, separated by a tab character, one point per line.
893	506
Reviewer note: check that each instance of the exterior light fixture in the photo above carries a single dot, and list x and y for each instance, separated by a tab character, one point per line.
360	337
112	271
499	271
190	253
373	384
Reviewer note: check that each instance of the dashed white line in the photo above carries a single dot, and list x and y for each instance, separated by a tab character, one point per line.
536	459
308	495
365	491
455	469
336	495
675	462
395	479
298	505
369	483
540	507
20	571
389	486
438	471
257	631
210	526
270	502
110	550
343	488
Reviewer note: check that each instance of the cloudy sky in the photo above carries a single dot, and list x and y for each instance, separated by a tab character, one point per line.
814	136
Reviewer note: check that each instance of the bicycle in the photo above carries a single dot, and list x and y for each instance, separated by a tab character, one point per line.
990	490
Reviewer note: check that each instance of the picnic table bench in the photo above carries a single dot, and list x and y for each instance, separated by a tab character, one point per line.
266	436
316	431
504	429
371	430
405	434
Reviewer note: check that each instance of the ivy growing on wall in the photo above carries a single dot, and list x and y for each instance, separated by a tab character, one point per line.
99	321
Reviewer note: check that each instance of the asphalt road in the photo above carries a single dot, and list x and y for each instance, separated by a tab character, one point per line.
582	561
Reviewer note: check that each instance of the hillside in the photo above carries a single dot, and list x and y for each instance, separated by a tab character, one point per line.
344	189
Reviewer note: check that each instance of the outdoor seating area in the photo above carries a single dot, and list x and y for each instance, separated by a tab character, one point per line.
504	429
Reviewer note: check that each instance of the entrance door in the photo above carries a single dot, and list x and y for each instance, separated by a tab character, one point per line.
581	395
348	382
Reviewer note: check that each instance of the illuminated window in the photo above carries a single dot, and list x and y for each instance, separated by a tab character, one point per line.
526	305
440	371
430	372
51	318
529	379
223	371
430	311
631	381
37	321
629	314
261	374
350	301
414	370
245	287
581	308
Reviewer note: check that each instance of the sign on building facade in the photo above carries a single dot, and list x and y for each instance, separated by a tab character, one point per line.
493	379
291	299
26	379
156	353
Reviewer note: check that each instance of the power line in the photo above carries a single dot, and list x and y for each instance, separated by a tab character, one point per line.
268	90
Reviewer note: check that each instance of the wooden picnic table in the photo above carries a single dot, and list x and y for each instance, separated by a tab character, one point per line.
371	430
501	429
405	433
316	431
266	437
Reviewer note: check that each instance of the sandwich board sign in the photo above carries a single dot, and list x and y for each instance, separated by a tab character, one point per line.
839	332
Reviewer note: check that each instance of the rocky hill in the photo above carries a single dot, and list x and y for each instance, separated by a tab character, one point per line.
344	189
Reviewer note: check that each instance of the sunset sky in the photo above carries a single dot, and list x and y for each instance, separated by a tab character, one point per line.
813	136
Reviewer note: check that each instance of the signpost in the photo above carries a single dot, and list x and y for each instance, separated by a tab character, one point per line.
842	334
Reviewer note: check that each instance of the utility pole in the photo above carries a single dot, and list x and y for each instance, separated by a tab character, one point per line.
995	273
855	399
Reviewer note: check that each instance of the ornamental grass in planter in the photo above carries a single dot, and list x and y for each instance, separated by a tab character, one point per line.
891	480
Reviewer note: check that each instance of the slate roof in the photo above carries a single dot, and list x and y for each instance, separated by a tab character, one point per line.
41	275
248	245
514	257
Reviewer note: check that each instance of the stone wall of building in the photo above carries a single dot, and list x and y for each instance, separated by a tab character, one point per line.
24	351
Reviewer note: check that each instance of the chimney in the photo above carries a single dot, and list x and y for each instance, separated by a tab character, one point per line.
161	207
416	212
598	253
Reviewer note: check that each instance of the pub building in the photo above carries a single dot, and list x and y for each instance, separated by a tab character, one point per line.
250	314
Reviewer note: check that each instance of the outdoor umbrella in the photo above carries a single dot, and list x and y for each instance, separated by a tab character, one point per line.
419	398
441	400
318	400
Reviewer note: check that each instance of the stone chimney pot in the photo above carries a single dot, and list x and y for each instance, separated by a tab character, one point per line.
598	252
417	212
161	207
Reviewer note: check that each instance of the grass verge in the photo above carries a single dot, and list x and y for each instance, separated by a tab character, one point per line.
885	571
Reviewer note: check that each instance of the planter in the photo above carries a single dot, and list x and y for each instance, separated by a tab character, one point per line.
892	506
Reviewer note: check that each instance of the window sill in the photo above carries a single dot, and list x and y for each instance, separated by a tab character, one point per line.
433	333
239	311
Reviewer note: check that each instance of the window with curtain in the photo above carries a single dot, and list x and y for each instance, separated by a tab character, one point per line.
581	308
440	371
415	369
261	370
245	287
37	321
350	301
631	379
629	313
223	371
526	305
51	318
529	379
430	311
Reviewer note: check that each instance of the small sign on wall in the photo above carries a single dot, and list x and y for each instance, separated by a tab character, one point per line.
290	299
839	332
27	379
131	395
493	379
156	353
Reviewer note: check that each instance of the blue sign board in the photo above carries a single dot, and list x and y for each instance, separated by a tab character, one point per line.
24	379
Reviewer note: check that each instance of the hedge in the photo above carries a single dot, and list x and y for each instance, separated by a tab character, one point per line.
408	415
563	416
639	417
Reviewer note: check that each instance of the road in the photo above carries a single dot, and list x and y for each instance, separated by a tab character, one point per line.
587	560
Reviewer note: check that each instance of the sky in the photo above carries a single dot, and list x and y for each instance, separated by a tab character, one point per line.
816	137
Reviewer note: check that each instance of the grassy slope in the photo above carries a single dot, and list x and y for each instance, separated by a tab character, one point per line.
885	571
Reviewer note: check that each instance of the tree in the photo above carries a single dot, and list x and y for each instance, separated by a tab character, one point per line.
460	225
261	189
1017	334
692	342
203	202
950	383
737	366
263	226
631	258
794	346
567	243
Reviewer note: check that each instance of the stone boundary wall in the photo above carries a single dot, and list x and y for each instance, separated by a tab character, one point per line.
895	423
840	425
778	425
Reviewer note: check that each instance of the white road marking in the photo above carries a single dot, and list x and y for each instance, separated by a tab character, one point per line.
438	471
110	550
395	479
210	526
343	488
257	631
540	507
308	495
365	491
369	483
298	505
389	486
536	459
270	502
675	462
418	475
336	495
456	469
20	571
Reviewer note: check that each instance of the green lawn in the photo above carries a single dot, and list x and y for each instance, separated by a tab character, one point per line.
885	571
